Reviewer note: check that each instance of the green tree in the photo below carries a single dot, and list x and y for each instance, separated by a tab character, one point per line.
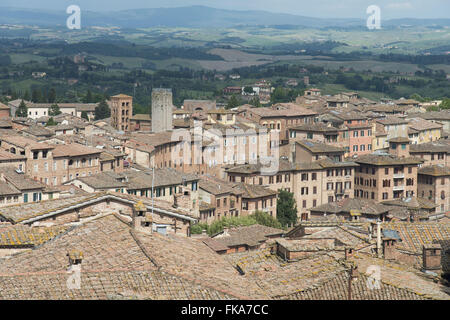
286	208
88	98
51	122
259	217
255	102
233	102
36	96
417	97
433	108
102	110
248	90
84	115
278	95
22	110
26	96
54	110
445	104
51	96
265	219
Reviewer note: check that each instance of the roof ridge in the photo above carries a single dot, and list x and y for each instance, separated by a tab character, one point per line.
163	270
144	250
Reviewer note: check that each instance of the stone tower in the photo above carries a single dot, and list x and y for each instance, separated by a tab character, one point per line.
161	110
121	111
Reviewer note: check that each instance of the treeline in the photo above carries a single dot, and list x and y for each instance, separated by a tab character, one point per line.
431	87
310	48
285	70
133	50
356	82
5	60
416	59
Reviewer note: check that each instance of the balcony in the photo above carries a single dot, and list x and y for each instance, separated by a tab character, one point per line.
398	188
399	175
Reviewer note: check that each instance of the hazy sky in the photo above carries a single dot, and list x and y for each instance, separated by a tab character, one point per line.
315	8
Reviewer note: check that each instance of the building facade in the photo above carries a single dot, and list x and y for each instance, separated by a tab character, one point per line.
121	112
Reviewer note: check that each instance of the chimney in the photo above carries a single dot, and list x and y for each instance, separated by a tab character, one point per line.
431	257
348	253
379	253
182	198
353	276
75	257
140	220
389	250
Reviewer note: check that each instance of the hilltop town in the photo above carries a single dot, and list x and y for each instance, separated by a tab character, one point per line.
179	204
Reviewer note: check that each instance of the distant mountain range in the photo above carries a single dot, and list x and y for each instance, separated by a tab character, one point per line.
192	16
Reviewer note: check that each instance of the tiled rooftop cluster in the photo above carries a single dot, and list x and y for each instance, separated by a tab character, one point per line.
114	265
319	163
